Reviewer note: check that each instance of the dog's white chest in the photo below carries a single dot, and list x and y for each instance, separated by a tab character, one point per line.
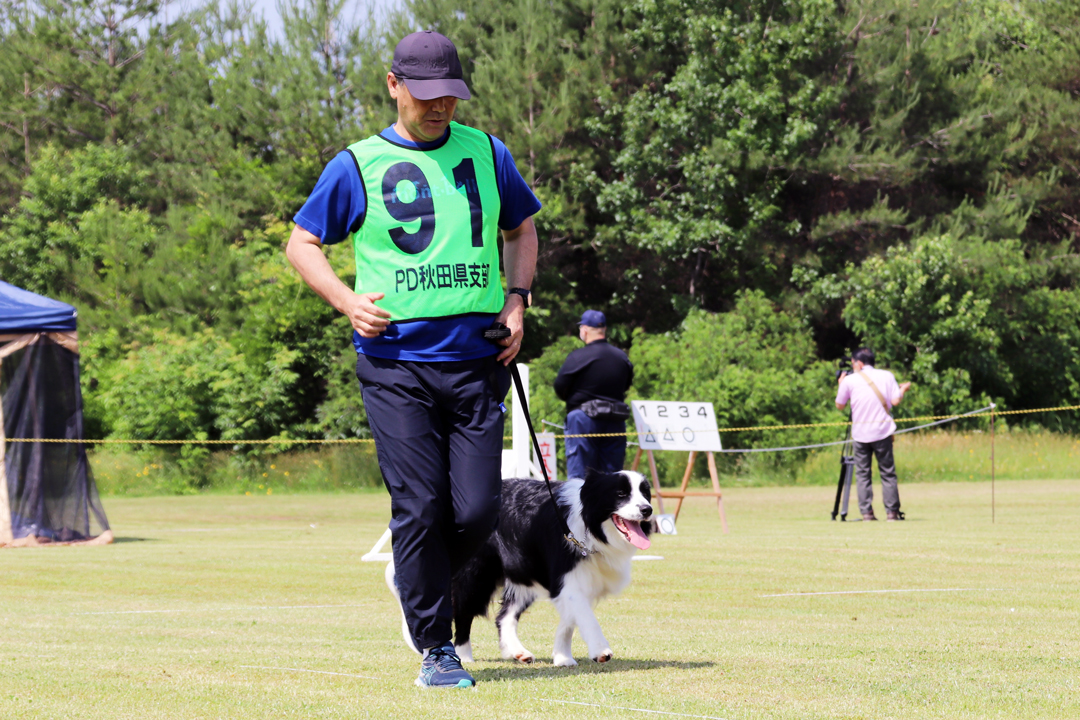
599	576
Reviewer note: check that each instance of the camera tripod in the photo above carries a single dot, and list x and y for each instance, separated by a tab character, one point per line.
847	469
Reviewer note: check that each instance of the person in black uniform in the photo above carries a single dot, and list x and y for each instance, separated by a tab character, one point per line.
596	372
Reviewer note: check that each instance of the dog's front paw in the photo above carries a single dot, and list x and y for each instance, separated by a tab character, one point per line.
516	651
563	661
464	652
603	657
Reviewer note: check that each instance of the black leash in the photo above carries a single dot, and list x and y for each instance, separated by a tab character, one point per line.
569	535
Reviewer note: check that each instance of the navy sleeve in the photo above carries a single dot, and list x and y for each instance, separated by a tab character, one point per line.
518	200
336	206
564	381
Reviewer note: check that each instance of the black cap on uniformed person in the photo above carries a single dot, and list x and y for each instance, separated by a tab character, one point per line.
428	63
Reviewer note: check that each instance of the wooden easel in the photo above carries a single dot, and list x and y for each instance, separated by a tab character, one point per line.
682	493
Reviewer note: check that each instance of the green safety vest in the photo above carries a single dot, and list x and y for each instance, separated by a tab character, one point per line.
428	236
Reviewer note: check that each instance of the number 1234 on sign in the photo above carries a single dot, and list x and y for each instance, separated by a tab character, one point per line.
663	425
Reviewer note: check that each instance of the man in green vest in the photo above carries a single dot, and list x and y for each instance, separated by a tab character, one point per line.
424	203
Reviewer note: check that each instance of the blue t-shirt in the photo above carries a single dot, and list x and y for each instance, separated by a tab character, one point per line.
336	206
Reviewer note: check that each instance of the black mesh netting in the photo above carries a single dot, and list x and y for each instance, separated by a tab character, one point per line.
50	486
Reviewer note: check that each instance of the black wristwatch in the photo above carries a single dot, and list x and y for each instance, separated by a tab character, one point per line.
525	294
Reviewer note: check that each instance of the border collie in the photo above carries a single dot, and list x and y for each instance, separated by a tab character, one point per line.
531	559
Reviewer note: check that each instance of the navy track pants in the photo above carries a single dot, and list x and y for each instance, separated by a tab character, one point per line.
438	429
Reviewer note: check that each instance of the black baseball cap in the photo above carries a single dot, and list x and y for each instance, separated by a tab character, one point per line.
429	65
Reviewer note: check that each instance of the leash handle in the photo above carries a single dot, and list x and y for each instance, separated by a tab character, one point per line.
569	535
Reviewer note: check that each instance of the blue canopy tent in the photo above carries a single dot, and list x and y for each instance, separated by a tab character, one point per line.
47	491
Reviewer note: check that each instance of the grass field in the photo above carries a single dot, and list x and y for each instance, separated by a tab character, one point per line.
259	607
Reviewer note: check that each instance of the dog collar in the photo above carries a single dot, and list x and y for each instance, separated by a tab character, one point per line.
585	552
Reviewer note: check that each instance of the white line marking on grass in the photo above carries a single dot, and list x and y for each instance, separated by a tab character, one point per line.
642	710
199	529
317	672
875	592
226	609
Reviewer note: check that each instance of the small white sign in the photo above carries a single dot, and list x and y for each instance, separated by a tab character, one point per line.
547	452
663	425
665	524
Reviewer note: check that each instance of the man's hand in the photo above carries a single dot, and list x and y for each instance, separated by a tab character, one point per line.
841	378
366	317
903	387
304	251
513	317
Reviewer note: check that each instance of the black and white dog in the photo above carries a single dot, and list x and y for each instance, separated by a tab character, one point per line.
529	557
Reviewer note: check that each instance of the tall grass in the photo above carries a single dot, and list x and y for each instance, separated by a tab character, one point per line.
941	456
927	456
930	456
159	471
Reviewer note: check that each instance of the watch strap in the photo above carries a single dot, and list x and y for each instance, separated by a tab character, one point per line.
525	293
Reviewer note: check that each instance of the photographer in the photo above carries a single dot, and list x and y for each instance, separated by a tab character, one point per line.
593	381
873	394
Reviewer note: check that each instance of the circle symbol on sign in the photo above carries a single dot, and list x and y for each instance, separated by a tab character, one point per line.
688	435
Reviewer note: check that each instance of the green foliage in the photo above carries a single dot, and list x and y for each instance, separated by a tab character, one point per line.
42	242
755	364
778	181
282	312
544	404
917	308
951	120
970	320
197	387
169	388
708	144
341	414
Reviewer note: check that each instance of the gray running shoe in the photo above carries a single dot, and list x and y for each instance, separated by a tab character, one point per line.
442	669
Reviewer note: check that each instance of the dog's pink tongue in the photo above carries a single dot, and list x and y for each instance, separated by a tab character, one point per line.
637	537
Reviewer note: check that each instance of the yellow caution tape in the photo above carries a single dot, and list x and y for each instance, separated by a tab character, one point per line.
345	441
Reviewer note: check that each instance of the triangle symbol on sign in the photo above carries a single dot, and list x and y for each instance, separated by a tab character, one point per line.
650	438
668	436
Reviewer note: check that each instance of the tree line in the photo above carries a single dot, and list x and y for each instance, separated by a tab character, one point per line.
749	189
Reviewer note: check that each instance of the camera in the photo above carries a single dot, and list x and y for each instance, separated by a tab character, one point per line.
843	366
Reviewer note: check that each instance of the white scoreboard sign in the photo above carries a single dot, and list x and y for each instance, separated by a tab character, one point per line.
676	425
